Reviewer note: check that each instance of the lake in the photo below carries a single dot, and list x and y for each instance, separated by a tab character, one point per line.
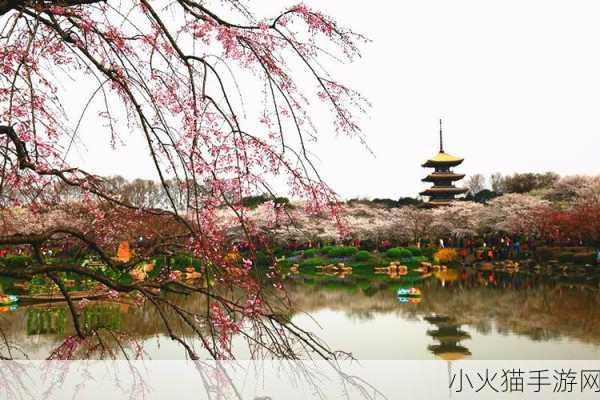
461	314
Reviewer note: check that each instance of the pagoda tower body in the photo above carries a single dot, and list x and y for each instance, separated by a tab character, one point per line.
443	191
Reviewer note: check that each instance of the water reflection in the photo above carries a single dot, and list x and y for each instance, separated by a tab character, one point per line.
449	337
461	313
46	320
560	310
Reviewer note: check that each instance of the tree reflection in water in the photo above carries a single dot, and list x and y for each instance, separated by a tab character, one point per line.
539	306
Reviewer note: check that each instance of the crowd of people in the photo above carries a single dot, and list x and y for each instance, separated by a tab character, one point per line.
498	247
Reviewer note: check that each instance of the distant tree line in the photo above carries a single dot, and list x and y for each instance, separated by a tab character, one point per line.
147	193
481	192
143	193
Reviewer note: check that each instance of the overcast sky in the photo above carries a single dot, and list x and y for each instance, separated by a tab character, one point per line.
517	83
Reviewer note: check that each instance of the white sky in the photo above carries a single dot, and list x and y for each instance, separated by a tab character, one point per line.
517	83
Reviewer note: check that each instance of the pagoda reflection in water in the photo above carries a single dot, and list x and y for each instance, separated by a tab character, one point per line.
449	335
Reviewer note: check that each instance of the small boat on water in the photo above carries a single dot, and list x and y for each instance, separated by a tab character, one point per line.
8	300
409	292
409	300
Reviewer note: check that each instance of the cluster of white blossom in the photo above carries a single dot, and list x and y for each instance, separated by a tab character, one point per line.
511	213
20	220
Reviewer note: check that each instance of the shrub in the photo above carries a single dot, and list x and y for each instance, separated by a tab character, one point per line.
398	252
180	261
445	256
415	251
387	203
286	263
326	249
254	201
16	261
283	201
342	251
428	251
308	253
362	255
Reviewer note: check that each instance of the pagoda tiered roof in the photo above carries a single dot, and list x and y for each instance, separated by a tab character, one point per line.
442	159
437	190
446	176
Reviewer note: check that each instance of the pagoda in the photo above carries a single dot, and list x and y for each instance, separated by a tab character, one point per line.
443	190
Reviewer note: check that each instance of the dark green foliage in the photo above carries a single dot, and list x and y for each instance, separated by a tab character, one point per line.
308	253
419	259
365	267
362	255
284	201
159	262
285	263
16	261
398	252
180	262
409	201
263	259
428	251
278	252
388	203
326	249
342	251
338	251
255	201
415	251
485	195
309	280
